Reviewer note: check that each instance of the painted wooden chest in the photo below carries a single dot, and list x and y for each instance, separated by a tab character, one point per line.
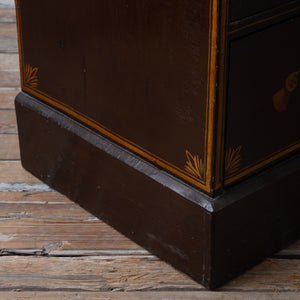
177	122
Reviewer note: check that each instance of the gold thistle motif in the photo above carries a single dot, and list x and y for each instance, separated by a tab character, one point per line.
194	165
232	160
282	97
30	76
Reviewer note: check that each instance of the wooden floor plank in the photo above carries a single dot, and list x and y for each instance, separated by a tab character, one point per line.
13	172
8	28
202	295
7	15
33	197
38	210
8	122
23	230
8	44
126	273
7	4
9	147
84	233
7	97
10	78
9	61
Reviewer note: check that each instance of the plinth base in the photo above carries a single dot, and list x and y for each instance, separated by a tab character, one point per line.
210	239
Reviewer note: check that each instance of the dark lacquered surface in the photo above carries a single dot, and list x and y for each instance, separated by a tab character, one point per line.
259	66
240	9
137	67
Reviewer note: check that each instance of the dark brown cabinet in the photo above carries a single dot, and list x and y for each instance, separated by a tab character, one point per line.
176	122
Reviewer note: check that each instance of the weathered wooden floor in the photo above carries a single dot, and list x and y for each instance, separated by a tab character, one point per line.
50	248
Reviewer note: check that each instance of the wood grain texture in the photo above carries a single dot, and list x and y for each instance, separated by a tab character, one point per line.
20	294
21	230
8	28
8	123
12	172
8	32
37	209
7	97
9	149
107	273
62	234
7	15
9	61
7	3
33	197
8	44
9	78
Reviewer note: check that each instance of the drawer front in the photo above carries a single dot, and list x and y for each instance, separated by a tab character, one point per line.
263	109
240	9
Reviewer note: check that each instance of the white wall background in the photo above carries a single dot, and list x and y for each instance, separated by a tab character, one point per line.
7	3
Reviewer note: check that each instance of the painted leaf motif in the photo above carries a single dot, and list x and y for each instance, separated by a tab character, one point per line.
232	160
194	165
30	76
